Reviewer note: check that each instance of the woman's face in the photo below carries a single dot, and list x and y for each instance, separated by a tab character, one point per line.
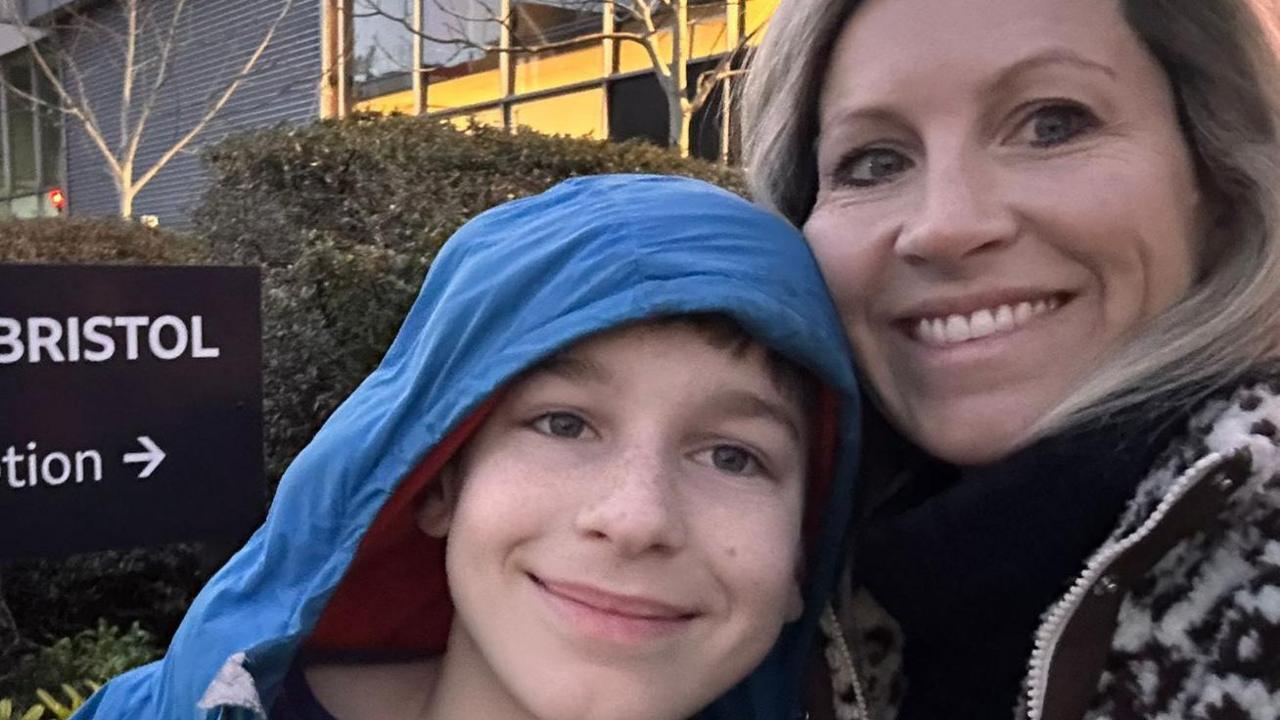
1004	196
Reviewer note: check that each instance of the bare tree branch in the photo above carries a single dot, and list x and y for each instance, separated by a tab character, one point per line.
147	48
162	72
81	110
642	22
130	69
221	101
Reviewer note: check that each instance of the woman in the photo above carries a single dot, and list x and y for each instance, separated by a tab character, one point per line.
1051	230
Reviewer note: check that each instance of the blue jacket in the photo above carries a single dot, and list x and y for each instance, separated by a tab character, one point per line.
512	286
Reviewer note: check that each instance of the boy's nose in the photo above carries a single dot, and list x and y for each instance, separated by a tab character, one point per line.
637	510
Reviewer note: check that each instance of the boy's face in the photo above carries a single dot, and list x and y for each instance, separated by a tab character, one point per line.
625	540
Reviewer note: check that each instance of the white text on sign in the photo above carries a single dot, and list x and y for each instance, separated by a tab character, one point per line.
37	467
100	338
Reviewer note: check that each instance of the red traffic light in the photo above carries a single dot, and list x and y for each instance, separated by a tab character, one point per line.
58	199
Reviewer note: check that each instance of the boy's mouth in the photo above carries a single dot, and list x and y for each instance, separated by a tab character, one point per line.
634	608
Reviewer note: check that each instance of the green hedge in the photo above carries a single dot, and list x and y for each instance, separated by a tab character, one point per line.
95	240
345	218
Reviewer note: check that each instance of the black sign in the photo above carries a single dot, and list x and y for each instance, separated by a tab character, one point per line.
130	406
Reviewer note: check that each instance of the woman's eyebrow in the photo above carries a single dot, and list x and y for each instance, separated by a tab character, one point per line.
1052	56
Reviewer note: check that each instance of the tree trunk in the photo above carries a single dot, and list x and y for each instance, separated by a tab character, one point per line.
678	130
677	124
126	202
686	119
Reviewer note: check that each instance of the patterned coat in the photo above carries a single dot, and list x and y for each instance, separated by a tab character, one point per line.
1175	617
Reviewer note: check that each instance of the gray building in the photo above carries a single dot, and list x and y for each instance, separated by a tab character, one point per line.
46	156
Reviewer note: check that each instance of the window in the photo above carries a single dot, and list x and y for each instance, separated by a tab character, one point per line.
382	55
30	140
546	64
579	113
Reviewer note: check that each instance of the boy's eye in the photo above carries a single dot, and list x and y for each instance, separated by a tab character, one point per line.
560	424
733	460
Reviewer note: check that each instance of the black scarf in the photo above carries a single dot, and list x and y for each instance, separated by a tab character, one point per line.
969	559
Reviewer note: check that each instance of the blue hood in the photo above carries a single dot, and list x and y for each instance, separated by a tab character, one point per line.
511	287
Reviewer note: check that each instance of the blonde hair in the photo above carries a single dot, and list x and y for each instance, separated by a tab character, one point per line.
1221	60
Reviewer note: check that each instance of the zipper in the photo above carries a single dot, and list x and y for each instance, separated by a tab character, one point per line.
831	624
1059	616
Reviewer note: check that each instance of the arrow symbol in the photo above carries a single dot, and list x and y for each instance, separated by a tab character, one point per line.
152	457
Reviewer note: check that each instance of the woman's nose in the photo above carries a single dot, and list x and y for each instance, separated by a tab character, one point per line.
637	509
962	213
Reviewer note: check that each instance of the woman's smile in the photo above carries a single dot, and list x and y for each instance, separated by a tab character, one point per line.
949	323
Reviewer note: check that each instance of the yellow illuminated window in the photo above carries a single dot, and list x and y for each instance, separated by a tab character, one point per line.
463	90
397	102
757	13
580	114
549	70
491	116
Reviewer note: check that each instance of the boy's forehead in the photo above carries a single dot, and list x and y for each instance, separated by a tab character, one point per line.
710	353
597	357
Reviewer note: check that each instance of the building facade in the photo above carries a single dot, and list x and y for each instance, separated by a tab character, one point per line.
577	67
587	68
50	156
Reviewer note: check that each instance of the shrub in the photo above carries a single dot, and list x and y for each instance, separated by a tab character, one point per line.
91	656
56	598
94	240
345	216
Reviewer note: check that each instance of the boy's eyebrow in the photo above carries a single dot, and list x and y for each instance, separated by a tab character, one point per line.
572	367
748	404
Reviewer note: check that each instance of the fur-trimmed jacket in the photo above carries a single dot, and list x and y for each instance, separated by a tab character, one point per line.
1175	617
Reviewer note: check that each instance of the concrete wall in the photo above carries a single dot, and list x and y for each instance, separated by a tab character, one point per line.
215	39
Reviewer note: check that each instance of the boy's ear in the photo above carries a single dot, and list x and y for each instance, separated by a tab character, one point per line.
436	513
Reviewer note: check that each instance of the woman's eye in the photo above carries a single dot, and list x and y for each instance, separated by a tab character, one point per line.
1056	124
734	460
872	167
560	424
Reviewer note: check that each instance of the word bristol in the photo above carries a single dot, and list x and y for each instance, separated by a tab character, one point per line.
101	338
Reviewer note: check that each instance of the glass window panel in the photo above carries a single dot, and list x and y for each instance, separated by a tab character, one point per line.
706	124
463	67
21	126
708	33
463	90
50	135
578	113
459	31
4	173
396	102
490	116
25	207
547	70
638	109
46	206
538	22
383	52
756	15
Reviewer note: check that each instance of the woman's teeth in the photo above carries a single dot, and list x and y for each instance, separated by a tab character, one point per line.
961	328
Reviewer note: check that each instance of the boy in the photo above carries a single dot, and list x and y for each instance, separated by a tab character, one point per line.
582	404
